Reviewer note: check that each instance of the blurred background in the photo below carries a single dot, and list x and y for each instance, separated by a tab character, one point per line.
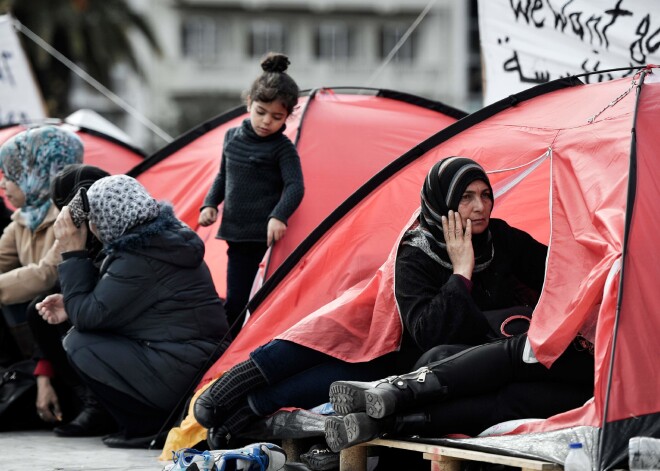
177	63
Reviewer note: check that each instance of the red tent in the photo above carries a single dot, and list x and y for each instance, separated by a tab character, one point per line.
572	164
106	152
344	136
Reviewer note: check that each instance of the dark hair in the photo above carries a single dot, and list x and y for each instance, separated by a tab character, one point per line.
274	83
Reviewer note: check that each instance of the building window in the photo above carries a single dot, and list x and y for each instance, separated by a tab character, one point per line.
266	36
333	41
390	36
200	39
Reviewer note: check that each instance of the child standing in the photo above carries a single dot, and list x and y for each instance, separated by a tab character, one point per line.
260	181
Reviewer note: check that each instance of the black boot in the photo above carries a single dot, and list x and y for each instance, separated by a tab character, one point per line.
214	406
93	420
387	396
359	428
222	436
335	433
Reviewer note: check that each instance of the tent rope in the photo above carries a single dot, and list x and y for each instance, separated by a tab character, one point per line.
91	81
633	84
400	43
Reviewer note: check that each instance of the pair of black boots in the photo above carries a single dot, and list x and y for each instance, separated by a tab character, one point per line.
375	409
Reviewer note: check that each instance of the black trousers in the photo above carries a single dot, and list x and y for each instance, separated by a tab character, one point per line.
243	260
491	383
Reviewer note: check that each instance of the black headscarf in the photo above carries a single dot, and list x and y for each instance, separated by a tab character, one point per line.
442	190
65	184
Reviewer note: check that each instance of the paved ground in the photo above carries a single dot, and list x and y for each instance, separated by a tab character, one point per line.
43	451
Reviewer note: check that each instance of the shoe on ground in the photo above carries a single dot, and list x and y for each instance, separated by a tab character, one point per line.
90	422
320	458
253	457
119	440
191	459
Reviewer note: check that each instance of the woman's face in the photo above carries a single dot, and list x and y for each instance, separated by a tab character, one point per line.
93	229
476	205
12	192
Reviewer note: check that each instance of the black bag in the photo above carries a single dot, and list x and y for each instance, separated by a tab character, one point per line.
509	321
18	394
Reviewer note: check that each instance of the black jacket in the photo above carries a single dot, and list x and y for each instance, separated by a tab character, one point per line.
436	306
151	318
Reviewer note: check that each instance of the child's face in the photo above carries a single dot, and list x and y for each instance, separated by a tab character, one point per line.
266	118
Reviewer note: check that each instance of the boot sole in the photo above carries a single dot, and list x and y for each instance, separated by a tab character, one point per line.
379	403
335	433
360	428
346	398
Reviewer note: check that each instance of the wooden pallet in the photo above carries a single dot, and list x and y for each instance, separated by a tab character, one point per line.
441	458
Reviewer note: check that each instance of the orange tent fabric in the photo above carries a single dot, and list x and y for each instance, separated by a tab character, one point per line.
572	164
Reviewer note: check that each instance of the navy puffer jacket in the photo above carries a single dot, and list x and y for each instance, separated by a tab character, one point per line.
151	318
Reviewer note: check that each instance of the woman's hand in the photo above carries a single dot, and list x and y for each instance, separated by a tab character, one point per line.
69	237
276	230
208	216
459	243
48	406
51	309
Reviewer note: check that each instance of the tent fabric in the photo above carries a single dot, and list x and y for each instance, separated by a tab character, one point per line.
108	153
343	136
578	164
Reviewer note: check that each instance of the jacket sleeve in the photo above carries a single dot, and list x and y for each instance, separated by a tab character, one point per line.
436	306
293	188
124	290
216	193
8	250
19	284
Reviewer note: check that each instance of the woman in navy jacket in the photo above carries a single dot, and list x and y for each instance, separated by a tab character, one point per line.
148	321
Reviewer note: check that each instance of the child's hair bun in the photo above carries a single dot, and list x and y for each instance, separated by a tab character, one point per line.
275	62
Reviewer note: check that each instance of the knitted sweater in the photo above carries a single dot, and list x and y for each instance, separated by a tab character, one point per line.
259	178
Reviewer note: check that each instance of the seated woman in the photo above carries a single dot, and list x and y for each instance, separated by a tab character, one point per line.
466	393
146	324
61	397
28	263
446	287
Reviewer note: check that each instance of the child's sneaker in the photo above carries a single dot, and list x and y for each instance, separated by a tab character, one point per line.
192	460
254	457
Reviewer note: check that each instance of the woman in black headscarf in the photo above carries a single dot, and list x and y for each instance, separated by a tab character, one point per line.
460	275
463	279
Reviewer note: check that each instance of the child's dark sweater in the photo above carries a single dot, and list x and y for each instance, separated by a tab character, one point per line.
259	178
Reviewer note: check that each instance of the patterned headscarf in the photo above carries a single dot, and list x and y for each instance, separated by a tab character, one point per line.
442	190
117	204
31	159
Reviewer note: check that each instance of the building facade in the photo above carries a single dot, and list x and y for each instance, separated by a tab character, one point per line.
212	48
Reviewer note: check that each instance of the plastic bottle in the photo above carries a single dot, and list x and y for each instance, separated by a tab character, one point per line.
643	453
577	459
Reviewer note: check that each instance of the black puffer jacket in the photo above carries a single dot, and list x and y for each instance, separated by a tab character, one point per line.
151	318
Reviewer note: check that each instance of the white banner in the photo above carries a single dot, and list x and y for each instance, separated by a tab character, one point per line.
20	100
527	42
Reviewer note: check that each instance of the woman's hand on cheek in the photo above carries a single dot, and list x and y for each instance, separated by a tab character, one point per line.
459	243
69	236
